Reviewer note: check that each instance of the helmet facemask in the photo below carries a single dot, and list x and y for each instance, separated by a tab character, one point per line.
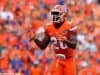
55	16
58	14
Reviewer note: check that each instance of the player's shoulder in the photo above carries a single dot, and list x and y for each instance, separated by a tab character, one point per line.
49	23
72	25
73	28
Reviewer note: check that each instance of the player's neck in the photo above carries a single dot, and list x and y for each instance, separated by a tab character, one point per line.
58	25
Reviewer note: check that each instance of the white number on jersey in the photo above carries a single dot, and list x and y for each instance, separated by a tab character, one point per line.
58	43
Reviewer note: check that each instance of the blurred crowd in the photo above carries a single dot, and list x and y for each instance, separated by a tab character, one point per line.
19	19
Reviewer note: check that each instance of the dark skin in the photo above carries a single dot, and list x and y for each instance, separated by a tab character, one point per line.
71	41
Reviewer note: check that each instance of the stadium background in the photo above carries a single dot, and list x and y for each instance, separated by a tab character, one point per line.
19	19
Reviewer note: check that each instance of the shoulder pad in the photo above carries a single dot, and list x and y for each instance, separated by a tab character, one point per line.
49	23
73	28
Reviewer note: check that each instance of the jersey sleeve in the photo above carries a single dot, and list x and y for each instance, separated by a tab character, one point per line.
73	32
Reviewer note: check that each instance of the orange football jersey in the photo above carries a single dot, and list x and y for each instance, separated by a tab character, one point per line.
64	31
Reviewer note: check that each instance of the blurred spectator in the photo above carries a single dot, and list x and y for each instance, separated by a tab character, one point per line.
35	68
6	15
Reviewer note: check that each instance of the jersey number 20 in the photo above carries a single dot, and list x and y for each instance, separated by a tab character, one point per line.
58	44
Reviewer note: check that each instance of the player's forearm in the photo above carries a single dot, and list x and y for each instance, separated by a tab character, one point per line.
38	42
71	44
72	40
42	44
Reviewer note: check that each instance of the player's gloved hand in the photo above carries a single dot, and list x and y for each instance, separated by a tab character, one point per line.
40	34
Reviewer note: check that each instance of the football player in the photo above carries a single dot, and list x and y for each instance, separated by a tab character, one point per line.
62	35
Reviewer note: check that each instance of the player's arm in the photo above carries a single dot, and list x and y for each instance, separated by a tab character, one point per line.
41	38
72	40
42	43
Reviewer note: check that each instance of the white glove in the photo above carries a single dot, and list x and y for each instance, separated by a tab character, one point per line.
40	34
